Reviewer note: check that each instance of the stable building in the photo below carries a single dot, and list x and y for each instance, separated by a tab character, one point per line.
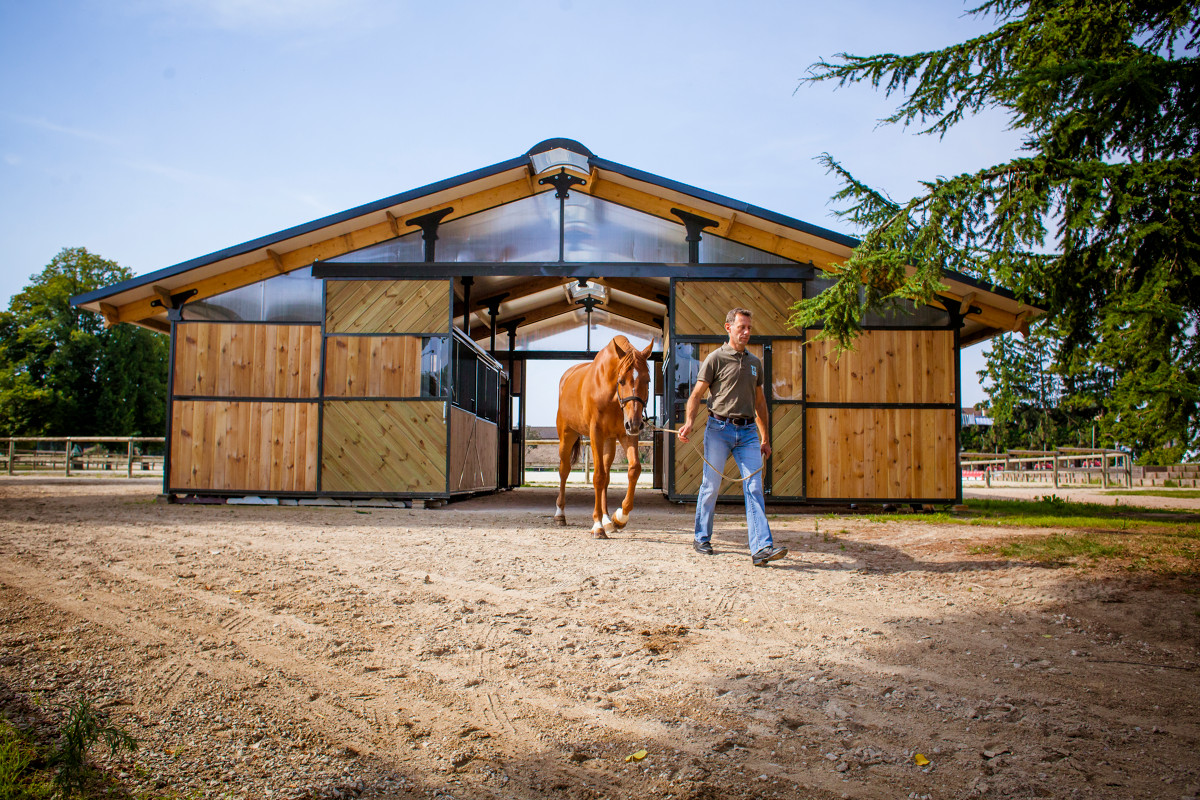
381	351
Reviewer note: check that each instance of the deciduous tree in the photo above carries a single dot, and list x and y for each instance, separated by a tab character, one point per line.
62	373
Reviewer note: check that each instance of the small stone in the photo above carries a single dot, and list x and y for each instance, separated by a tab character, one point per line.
842	766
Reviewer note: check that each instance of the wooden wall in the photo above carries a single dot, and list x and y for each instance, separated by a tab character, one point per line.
264	444
689	464
380	436
473	451
387	306
889	453
894	452
384	446
233	446
247	360
878	422
373	366
701	306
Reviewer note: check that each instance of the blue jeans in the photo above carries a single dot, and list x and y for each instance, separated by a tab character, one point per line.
720	440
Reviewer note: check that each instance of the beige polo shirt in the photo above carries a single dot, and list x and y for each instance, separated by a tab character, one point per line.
732	378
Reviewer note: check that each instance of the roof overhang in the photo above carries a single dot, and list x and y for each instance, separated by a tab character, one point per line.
145	300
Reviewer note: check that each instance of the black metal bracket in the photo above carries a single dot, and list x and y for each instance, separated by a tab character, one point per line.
562	183
695	225
954	309
177	300
428	223
589	303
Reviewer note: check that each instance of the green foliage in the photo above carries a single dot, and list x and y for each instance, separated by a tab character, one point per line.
19	778
82	729
62	373
1098	221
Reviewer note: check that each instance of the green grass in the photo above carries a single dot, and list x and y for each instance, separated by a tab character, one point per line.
1090	535
20	777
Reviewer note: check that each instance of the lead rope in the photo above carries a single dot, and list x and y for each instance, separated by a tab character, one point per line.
649	422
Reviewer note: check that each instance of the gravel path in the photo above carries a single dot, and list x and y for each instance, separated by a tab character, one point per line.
479	651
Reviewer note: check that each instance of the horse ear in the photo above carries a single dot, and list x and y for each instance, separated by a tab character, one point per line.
617	347
649	349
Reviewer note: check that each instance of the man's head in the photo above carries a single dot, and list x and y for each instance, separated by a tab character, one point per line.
737	323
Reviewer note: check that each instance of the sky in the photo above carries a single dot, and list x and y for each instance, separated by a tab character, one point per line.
155	131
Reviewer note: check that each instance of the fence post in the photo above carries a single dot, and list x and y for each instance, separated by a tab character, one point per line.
12	451
1056	470
987	475
129	462
68	459
1104	472
1128	471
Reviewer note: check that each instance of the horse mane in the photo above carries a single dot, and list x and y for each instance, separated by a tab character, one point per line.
632	356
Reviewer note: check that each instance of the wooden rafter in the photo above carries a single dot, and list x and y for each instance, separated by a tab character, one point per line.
335	245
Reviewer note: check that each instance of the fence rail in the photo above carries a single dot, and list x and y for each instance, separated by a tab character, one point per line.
1070	465
81	454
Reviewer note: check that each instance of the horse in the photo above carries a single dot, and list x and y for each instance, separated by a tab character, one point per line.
605	400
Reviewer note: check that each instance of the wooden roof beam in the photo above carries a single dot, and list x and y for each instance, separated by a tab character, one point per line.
335	245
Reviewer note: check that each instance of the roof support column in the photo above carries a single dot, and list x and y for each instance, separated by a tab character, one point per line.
428	224
694	224
467	281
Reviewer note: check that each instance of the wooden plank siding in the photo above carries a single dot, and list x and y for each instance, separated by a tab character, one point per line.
373	366
247	360
882	453
233	446
473	449
896	366
387	306
700	306
787	451
383	446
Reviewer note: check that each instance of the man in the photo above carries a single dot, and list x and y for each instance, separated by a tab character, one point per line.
737	424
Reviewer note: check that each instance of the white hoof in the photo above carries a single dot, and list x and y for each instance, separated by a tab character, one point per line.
598	531
609	527
619	519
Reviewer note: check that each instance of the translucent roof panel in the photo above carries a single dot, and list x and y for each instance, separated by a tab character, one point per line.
715	250
525	230
597	230
528	230
569	332
293	297
408	248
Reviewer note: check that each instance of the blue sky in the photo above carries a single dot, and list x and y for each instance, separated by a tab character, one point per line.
152	132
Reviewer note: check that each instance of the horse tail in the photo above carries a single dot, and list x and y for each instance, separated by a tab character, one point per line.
575	450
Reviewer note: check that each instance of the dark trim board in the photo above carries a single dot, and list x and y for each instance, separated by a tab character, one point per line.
418	270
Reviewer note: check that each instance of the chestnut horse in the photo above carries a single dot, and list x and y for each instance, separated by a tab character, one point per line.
606	401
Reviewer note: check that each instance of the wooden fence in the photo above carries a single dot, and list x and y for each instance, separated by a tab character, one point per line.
1066	465
82	453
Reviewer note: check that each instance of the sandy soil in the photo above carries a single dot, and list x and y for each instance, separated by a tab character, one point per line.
479	651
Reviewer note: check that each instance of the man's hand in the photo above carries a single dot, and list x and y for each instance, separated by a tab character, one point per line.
684	431
766	450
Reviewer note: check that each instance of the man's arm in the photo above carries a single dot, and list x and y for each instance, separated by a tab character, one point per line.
693	407
763	421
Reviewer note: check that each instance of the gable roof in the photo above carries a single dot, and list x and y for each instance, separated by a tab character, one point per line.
140	300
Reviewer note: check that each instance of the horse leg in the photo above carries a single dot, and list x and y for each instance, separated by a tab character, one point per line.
621	517
567	442
602	525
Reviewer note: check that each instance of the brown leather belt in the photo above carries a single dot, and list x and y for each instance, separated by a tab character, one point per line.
733	420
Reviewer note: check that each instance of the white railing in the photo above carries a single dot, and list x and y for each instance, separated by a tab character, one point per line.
77	456
1069	465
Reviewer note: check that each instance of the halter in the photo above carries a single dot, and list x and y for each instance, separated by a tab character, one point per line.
629	360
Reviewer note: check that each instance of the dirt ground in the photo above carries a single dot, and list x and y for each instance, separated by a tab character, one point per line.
479	651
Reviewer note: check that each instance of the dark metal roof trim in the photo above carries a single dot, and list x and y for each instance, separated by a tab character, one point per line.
300	230
377	270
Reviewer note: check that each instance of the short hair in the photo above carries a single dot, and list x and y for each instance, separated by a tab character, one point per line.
733	314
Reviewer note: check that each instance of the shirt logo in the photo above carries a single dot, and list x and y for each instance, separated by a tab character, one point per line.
753	370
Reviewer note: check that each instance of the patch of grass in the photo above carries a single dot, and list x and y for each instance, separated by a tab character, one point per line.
20	775
1185	493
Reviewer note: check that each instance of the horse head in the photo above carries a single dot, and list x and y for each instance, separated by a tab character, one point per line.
632	391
